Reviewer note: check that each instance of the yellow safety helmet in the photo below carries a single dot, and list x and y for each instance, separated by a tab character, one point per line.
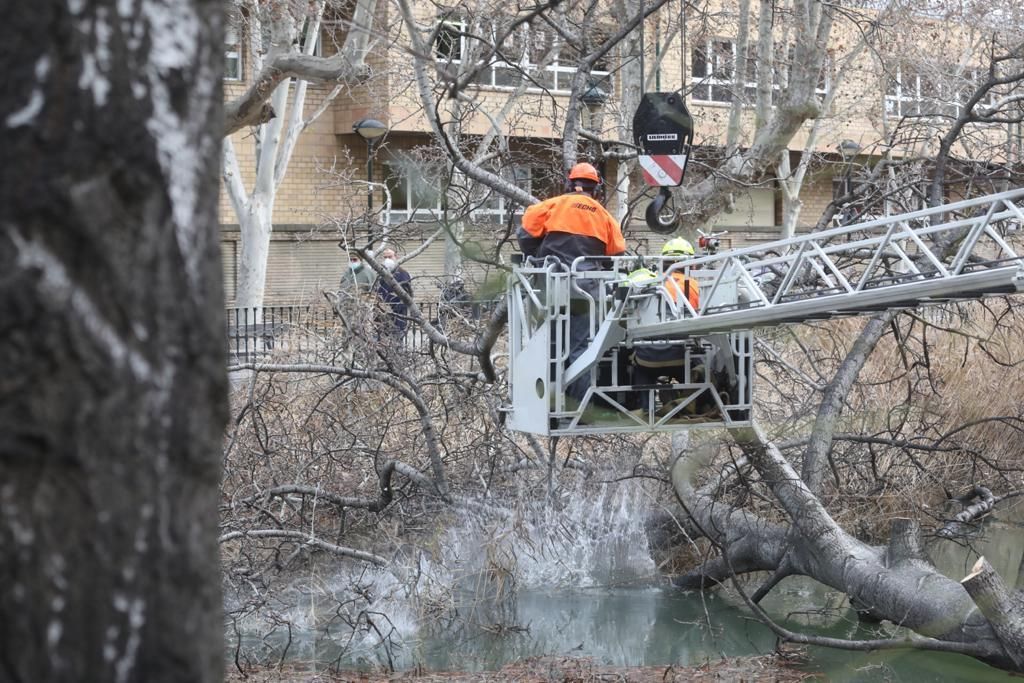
677	246
639	278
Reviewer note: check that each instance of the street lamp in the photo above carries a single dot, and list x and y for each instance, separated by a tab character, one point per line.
848	149
370	130
593	97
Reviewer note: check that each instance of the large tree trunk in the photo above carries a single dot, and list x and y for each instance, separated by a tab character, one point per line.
893	583
256	228
629	99
112	397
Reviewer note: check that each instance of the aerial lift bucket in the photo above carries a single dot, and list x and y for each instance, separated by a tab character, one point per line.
710	385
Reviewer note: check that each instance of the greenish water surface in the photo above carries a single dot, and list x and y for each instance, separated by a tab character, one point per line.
647	623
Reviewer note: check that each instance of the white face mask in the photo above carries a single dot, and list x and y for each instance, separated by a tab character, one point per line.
390	263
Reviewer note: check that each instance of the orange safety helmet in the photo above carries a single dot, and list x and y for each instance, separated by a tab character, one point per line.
584	171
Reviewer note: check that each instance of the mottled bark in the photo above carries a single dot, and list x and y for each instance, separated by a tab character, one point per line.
112	397
1003	609
347	67
253	107
894	584
748	542
905	541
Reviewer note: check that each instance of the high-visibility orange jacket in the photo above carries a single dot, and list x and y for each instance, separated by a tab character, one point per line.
569	226
679	283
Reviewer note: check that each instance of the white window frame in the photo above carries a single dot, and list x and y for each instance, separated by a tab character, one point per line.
522	177
318	49
430	212
704	89
459	27
904	92
233	48
561	75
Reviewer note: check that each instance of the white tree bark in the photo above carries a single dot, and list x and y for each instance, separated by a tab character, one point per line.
1003	608
630	100
733	131
791	182
892	584
276	138
347	67
765	63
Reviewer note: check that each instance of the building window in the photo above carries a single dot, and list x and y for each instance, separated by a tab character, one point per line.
520	56
911	94
449	45
933	93
232	48
317	45
493	207
417	194
712	66
416	191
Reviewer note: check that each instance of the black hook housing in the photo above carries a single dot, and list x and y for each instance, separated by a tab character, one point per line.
663	127
662	124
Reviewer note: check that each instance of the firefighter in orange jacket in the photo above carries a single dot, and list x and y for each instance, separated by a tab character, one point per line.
567	227
573	224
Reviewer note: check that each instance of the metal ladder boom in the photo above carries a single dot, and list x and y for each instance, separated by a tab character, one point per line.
962	250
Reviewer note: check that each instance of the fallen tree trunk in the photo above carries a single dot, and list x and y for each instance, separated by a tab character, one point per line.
894	583
985	503
1004	610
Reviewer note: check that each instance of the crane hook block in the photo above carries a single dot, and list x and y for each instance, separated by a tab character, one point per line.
663	132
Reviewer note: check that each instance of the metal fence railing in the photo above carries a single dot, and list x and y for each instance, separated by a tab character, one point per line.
254	334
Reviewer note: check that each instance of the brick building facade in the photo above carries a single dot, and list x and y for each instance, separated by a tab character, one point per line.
322	200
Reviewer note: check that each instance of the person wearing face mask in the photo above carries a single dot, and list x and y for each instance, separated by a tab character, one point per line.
388	295
352	304
358	278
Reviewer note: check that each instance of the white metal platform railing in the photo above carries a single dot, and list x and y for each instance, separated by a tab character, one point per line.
963	250
709	386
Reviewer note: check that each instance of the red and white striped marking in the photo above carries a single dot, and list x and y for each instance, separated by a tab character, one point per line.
664	169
